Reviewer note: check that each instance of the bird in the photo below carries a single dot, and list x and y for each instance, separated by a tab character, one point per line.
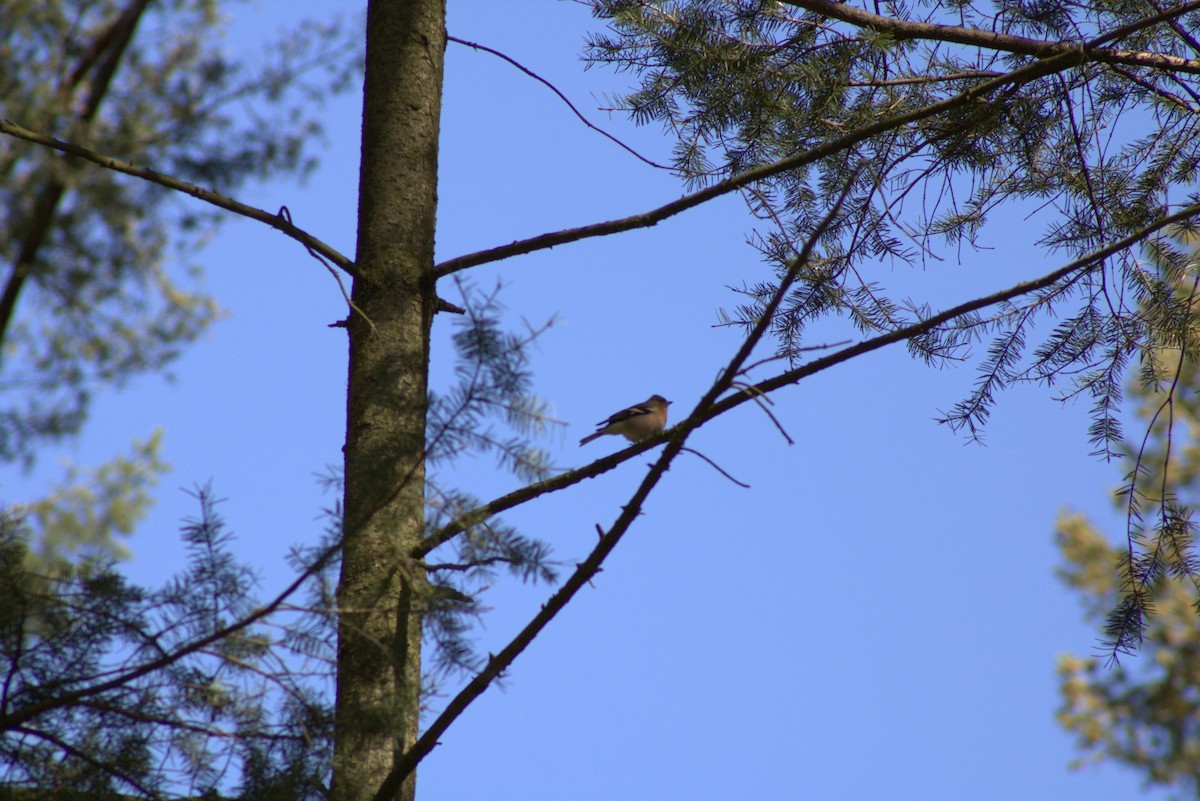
638	422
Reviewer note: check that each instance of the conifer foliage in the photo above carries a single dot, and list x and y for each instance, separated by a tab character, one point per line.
1144	713
859	134
1081	115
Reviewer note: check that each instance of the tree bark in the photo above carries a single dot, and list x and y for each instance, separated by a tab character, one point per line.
381	592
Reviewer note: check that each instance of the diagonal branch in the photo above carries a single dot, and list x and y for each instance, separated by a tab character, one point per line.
1080	265
497	663
707	409
587	569
561	96
10	128
1053	58
19	717
83	756
1021	45
750	393
1057	63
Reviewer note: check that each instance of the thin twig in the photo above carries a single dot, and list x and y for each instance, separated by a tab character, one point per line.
561	96
1017	77
717	467
286	214
789	377
10	128
763	401
499	662
462	567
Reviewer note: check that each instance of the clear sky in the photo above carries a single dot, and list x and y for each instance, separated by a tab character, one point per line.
876	617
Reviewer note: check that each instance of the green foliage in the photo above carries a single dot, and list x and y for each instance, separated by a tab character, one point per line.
110	687
90	295
113	688
955	109
493	381
80	519
1143	713
248	709
1102	150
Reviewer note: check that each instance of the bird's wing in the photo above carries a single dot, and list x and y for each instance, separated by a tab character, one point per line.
626	414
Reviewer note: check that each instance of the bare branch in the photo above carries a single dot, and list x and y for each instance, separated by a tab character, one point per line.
600	466
463	567
498	663
10	128
717	467
1080	265
561	96
1057	63
286	214
763	401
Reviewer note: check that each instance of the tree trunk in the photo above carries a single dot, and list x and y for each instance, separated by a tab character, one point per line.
381	593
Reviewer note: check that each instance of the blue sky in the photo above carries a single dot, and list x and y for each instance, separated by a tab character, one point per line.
876	617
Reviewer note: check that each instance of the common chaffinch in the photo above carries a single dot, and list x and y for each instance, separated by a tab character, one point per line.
638	422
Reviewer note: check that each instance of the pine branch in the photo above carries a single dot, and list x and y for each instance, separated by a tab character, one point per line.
83	756
600	466
1048	66
586	570
123	677
990	40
